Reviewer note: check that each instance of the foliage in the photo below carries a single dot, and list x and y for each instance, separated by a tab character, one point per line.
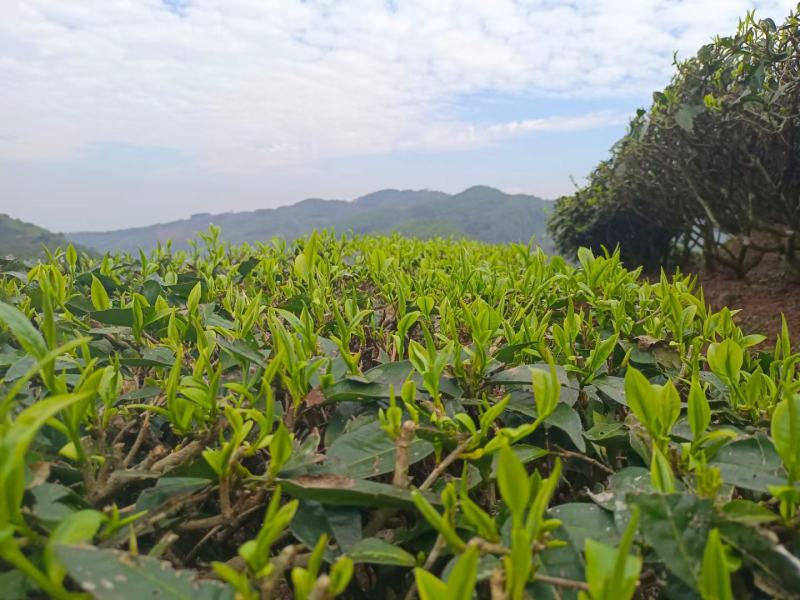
712	164
387	417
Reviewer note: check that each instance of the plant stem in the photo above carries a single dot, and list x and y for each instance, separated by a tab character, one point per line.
497	585
145	426
400	478
569	454
438	546
561	582
440	468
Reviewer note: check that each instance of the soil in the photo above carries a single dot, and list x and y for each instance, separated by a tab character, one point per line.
766	294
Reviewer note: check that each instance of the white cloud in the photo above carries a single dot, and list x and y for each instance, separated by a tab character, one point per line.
243	84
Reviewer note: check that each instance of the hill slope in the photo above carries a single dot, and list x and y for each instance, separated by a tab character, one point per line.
24	240
479	212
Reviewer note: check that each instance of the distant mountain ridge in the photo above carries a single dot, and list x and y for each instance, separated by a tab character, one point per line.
479	212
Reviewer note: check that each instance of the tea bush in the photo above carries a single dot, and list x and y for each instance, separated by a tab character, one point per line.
713	165
381	417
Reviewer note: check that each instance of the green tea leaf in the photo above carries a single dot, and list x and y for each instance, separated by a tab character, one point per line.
786	433
512	480
378	552
725	359
715	579
699	411
100	299
27	335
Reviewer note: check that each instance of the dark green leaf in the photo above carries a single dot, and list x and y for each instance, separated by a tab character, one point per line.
342	523
751	463
612	388
368	451
122	317
339	490
762	551
166	488
676	526
151	357
582	520
113	575
566	419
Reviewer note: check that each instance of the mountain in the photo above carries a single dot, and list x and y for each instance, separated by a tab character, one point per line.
25	240
479	212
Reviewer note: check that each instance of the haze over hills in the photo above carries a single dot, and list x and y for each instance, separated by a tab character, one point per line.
479	212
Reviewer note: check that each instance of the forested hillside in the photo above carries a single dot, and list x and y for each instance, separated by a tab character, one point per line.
480	212
25	240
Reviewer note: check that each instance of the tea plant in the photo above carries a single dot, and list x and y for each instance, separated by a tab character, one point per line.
710	167
381	417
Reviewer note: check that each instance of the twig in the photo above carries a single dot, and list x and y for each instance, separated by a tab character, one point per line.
378	520
167	540
116	481
320	591
193	552
487	546
171	507
125	429
243	508
231	527
400	478
438	546
569	454
119	479
561	582
179	456
285	561
440	468
138	441
496	585
225	497
206	523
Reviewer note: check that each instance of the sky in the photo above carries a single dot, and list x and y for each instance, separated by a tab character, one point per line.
120	113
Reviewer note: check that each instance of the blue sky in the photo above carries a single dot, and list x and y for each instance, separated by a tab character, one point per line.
119	113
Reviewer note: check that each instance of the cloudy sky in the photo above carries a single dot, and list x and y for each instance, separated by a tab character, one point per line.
116	113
